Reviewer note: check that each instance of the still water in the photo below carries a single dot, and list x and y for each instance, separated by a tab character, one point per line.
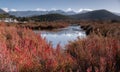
63	36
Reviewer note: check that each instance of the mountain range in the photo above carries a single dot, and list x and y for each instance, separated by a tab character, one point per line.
97	15
59	14
35	13
49	17
91	15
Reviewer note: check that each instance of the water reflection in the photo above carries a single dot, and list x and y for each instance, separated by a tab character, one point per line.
63	36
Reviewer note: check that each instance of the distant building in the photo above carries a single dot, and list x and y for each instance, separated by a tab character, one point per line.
8	20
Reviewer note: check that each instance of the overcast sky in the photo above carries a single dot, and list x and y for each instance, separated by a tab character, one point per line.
76	5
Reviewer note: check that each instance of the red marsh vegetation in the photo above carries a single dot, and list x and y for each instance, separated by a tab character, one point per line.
21	50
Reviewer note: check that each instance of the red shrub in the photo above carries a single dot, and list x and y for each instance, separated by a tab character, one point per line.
95	53
21	50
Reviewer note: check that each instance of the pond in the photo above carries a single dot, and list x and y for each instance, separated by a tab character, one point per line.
63	36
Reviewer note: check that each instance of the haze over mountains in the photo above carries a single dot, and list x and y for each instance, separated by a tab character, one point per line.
35	13
117	14
2	11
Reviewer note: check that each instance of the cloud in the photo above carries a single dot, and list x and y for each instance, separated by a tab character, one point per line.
69	9
13	10
40	9
80	10
6	9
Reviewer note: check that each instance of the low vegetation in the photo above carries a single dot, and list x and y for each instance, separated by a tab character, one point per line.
105	28
41	25
5	15
95	54
21	50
